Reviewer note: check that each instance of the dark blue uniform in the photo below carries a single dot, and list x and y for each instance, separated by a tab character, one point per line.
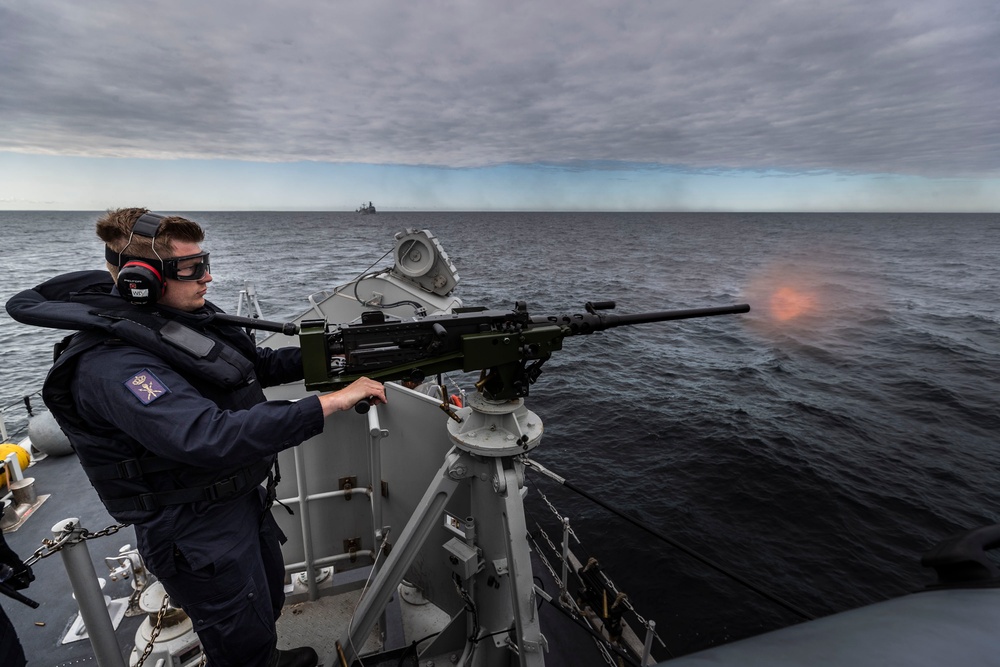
153	422
220	561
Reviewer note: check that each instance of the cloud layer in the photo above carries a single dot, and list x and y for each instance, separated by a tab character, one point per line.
852	87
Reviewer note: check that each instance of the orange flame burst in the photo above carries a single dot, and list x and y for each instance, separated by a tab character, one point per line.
788	303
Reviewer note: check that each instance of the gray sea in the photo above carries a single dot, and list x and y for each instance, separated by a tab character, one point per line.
817	445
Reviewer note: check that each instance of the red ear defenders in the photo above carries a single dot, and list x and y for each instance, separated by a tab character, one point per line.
140	281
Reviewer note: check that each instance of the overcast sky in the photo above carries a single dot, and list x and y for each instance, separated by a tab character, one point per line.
442	104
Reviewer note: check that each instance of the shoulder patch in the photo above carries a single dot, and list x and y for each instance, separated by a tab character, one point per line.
146	386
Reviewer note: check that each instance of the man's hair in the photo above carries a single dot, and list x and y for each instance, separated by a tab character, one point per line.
115	228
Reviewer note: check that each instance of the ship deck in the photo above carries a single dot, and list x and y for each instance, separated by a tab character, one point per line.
45	632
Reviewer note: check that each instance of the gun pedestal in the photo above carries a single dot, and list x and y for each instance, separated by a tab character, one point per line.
496	428
491	565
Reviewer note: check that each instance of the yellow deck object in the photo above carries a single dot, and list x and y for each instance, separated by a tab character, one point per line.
23	458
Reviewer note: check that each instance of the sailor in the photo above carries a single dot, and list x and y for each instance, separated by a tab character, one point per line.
163	405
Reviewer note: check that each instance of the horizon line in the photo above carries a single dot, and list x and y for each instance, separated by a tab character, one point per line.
518	210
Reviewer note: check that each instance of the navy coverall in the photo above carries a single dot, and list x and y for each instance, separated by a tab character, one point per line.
220	561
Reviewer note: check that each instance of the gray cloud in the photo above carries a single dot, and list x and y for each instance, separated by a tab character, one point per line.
872	86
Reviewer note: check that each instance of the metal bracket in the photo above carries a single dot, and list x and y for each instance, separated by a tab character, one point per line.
348	484
533	646
499	477
352	546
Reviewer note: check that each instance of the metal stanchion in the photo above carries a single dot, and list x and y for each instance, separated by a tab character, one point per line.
87	590
306	522
376	433
648	646
564	581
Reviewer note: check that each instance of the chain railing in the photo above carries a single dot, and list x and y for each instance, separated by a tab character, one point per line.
69	537
620	597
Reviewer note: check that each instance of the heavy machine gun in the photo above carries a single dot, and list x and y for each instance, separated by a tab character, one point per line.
489	558
508	347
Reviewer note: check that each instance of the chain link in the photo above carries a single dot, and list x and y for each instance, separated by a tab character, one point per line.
542	557
48	548
156	630
68	538
559	517
105	532
157	627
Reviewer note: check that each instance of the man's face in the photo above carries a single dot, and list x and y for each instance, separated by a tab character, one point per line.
186	295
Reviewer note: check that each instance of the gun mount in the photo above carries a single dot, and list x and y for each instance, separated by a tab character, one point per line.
507	347
490	437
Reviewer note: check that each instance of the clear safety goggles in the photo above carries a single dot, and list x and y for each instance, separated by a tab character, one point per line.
194	271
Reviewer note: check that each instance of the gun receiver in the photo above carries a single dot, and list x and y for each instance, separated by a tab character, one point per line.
508	347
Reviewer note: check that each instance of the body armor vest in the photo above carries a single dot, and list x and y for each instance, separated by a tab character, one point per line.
215	359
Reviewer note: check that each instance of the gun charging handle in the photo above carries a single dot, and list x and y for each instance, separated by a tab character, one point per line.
593	306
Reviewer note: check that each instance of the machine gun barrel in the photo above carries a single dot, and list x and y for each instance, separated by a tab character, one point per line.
596	320
666	315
